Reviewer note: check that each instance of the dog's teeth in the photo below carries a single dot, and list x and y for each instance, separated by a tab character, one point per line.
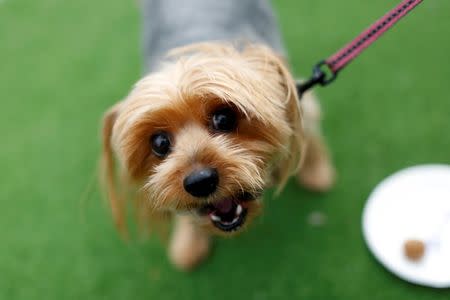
239	209
234	220
215	218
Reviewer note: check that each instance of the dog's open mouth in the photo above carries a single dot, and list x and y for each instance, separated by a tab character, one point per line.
228	214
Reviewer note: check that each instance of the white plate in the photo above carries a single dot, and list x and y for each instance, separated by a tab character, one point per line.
412	204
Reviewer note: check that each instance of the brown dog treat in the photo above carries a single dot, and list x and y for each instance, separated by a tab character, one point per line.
414	249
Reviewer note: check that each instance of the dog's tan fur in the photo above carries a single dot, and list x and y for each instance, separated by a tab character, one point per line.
268	146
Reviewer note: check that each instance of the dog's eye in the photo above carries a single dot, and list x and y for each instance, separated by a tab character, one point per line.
160	143
224	120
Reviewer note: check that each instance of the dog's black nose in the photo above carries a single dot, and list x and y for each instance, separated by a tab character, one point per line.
201	183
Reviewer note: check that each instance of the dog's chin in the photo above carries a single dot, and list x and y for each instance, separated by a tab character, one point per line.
230	215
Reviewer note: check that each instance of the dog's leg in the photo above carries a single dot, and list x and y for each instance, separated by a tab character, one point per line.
189	245
317	172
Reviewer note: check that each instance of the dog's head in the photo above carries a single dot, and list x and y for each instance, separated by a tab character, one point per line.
206	133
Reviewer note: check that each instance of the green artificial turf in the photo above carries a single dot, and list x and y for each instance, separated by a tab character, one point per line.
63	63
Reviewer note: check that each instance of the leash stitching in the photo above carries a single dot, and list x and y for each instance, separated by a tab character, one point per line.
392	16
344	56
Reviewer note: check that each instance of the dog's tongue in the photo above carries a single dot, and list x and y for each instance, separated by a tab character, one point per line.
224	206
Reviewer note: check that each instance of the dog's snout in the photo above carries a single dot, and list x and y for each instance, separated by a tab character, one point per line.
201	183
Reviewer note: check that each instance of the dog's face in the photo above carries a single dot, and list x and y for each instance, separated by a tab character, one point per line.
207	133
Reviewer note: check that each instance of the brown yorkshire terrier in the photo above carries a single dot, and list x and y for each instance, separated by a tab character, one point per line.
202	136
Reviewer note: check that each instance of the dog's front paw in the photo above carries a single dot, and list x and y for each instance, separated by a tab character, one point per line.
189	246
317	173
319	177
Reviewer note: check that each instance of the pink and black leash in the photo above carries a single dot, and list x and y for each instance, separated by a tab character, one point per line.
343	57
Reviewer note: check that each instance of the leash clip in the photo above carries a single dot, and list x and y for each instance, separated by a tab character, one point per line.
319	76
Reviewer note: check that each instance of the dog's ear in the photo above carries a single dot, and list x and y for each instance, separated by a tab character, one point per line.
108	171
289	160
